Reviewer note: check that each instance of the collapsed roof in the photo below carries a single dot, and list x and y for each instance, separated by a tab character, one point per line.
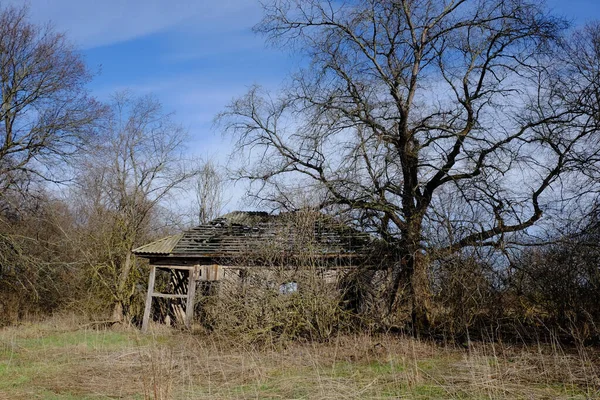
259	237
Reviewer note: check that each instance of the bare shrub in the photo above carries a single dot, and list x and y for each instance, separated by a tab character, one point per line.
37	263
262	311
559	286
466	299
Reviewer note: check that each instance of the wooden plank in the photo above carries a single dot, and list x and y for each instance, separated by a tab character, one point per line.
174	267
169	296
191	294
148	306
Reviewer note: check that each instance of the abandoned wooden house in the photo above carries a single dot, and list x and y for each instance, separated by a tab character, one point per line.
227	248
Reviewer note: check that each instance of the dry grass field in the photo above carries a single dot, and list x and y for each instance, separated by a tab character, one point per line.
63	359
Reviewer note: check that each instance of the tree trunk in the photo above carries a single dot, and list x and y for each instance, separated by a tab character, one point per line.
410	278
124	275
421	293
119	309
118	314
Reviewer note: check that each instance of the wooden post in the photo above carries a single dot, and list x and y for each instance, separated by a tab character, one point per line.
191	294
148	307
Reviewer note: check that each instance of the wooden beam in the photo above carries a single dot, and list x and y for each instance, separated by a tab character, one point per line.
191	294
169	296
174	267
148	306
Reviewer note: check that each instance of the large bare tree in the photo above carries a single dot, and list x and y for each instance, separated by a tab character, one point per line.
45	111
439	124
137	166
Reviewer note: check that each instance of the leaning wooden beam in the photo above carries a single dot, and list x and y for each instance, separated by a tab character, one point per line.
149	295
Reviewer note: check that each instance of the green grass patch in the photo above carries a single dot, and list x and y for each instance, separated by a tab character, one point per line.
96	340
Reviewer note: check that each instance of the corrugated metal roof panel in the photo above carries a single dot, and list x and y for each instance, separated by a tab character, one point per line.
160	246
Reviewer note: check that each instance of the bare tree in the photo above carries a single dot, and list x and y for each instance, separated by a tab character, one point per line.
408	104
137	166
578	88
45	117
45	111
208	190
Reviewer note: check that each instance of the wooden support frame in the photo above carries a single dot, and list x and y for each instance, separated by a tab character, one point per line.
193	276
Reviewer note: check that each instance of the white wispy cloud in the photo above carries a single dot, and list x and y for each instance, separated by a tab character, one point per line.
92	23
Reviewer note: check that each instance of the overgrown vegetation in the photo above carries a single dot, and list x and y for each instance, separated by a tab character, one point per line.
259	313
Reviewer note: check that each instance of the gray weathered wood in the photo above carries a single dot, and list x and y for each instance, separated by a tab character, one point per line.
148	306
191	294
169	296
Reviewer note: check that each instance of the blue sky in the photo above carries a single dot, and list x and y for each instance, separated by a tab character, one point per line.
194	55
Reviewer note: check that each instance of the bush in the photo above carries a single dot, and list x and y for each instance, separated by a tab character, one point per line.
259	307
